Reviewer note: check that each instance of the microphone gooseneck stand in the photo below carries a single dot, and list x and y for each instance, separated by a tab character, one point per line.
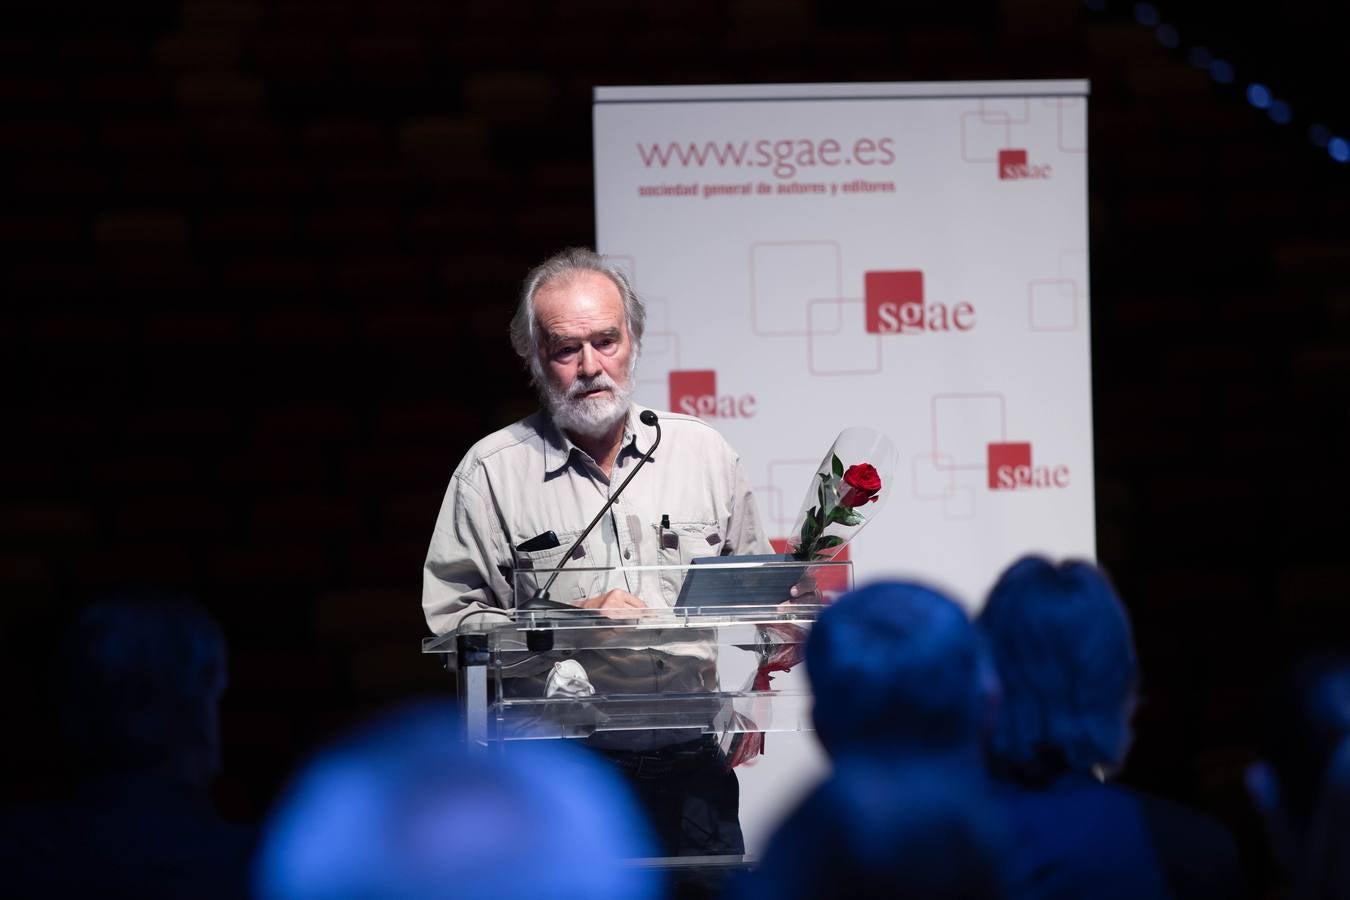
540	599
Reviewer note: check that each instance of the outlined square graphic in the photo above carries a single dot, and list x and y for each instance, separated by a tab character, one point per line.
964	425
840	351
983	132
784	275
1011	162
660	351
1010	110
933	480
893	301
1010	455
1070	124
688	386
1053	304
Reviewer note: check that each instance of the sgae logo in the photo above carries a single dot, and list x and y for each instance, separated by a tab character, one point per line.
1013	165
694	393
895	304
1011	469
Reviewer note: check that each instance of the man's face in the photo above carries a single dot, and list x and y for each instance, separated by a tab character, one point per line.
586	352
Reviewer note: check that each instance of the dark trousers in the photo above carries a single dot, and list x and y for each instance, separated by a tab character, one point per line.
692	799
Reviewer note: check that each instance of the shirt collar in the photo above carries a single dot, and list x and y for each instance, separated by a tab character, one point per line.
558	447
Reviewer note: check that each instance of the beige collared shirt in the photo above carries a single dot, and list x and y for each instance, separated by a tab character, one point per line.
529	478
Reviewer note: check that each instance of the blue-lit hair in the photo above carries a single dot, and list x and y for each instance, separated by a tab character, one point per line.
1061	641
894	666
1307	718
902	831
402	809
139	680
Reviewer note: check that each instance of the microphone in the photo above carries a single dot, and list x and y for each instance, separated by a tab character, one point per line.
541	600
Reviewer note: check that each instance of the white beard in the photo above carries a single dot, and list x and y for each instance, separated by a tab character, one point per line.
590	417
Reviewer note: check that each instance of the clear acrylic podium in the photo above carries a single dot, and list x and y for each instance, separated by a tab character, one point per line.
728	666
716	656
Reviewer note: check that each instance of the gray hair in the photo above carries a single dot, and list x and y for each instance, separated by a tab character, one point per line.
573	260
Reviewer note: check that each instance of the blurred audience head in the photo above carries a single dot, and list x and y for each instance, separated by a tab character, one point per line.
885	831
1061	642
138	683
403	810
1302	784
895	667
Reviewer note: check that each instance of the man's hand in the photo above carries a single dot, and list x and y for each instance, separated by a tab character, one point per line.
614	602
804	591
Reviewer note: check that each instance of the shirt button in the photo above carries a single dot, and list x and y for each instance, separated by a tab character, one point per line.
628	554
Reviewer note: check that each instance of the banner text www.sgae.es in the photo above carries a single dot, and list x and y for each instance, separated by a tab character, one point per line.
783	156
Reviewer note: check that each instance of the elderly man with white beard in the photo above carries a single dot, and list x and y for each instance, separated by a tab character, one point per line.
522	495
578	329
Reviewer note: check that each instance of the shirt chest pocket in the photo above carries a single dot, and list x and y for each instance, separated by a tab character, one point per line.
534	567
683	542
679	544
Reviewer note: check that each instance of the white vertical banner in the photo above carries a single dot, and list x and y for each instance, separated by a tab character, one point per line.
910	257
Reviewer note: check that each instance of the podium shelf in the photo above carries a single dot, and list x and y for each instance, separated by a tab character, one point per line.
720	713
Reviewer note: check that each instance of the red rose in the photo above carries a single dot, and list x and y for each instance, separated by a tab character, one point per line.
863	484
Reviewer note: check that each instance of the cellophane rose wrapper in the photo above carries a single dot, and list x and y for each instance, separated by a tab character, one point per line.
781	647
851	485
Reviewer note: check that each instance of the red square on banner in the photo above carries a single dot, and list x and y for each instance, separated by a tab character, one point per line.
831	580
1009	458
686	387
1011	162
893	301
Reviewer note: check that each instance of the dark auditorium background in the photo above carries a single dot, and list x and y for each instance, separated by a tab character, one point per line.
260	257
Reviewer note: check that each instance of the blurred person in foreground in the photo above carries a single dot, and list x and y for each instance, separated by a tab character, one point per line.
1061	642
402	809
1301	786
897	673
901	691
882	831
137	684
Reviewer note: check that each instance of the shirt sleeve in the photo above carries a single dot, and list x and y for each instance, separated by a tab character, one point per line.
461	575
745	531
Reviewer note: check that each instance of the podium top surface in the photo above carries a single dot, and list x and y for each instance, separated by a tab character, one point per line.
659	624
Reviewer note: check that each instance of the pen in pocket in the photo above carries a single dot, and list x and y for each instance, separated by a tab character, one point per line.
669	539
